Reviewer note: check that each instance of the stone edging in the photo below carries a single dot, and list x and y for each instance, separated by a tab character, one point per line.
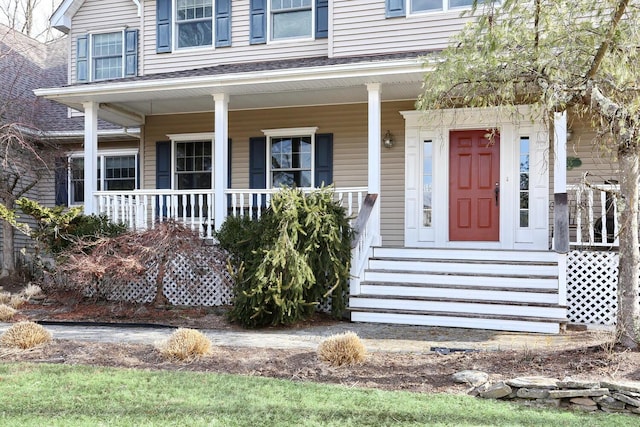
606	396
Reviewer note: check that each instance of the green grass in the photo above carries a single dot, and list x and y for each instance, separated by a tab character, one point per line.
59	395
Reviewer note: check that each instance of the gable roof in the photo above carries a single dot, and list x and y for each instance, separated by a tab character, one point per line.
61	18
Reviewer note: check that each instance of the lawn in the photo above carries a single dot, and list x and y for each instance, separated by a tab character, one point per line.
60	395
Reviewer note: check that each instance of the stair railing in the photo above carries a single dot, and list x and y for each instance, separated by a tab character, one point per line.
361	244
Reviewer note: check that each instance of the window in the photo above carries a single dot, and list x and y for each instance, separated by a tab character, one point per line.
120	173
107	55
427	183
291	19
290	157
524	181
433	5
194	23
193	165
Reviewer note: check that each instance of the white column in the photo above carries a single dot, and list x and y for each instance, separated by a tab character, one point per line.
560	200
221	156
90	156
374	153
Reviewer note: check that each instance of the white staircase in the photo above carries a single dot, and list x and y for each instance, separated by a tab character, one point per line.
484	289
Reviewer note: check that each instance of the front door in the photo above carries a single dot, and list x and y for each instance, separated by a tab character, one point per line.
474	185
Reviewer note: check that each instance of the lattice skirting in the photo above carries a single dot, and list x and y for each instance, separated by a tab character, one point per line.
592	281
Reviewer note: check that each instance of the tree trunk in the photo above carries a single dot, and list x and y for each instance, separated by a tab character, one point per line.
8	251
628	317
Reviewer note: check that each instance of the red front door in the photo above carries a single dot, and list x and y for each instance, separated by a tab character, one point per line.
474	178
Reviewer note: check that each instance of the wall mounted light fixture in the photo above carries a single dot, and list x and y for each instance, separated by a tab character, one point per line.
387	139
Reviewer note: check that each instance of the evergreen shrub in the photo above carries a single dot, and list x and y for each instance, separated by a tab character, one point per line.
295	257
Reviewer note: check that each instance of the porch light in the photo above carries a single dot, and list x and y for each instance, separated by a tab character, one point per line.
387	140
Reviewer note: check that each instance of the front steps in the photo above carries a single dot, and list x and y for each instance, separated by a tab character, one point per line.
484	289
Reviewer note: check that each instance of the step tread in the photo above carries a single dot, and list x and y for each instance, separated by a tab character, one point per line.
464	261
459	287
459	300
469	274
461	315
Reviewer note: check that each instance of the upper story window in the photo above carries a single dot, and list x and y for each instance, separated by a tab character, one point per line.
106	56
291	19
194	23
433	5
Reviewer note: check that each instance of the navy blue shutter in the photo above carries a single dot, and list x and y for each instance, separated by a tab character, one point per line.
82	59
395	8
163	172
223	23
131	53
163	26
258	162
61	181
229	164
258	30
322	19
323	174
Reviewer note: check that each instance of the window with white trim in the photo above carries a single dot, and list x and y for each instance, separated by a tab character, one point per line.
107	52
119	173
291	19
435	5
290	160
194	23
193	165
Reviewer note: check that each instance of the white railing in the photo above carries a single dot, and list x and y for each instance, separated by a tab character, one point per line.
365	232
141	209
593	215
253	202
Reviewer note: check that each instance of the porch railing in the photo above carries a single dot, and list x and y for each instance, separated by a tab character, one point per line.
593	215
362	242
141	209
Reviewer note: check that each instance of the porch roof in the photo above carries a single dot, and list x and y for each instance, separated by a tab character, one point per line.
257	85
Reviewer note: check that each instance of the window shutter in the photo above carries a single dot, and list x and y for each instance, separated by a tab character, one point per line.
395	8
163	164
163	26
229	162
258	162
82	59
223	23
323	174
322	19
131	53
61	181
258	31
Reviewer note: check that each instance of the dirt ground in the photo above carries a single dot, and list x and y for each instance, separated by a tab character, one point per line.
420	372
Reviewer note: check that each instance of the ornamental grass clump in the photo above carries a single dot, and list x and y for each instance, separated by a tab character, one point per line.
342	349
25	335
186	344
6	313
16	301
5	297
31	291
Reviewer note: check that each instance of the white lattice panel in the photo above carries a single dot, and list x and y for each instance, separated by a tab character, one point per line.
592	281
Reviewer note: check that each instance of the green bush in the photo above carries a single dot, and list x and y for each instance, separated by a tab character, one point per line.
295	257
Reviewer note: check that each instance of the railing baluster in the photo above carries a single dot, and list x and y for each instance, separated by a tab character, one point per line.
603	217
590	213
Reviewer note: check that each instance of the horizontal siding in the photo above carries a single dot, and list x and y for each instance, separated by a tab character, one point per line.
348	123
97	16
239	51
360	28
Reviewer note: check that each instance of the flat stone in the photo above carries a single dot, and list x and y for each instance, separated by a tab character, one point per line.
626	399
560	394
473	377
549	402
583	401
532	393
633	387
585	408
608	402
571	383
634	410
533	382
496	391
613	410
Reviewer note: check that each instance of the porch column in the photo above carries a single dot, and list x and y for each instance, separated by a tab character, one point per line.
374	153
221	156
561	208
90	156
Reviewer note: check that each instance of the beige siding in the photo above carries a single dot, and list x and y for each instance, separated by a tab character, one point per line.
360	28
239	51
96	16
348	123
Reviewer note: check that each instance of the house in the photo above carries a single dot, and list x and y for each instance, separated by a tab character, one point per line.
234	99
